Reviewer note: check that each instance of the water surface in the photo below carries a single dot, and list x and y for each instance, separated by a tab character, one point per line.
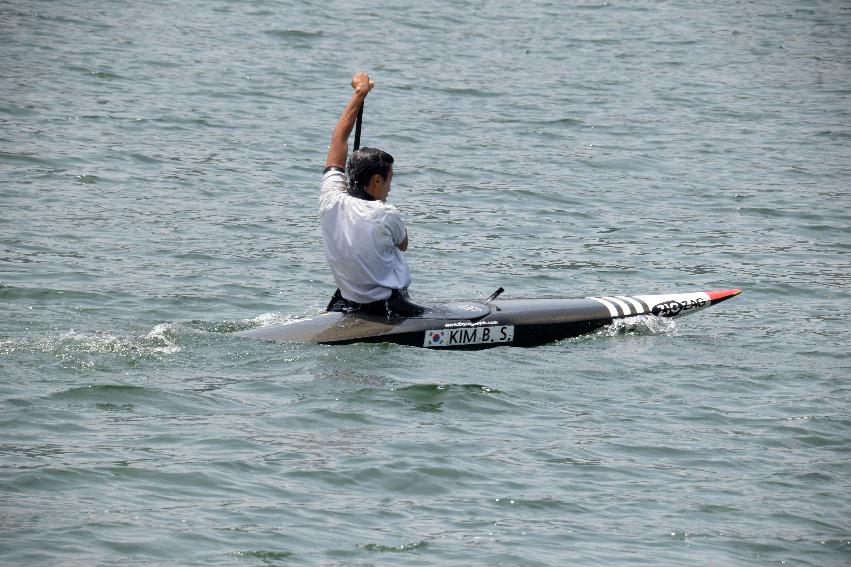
159	169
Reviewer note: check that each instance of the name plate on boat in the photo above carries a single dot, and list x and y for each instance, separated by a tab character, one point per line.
469	336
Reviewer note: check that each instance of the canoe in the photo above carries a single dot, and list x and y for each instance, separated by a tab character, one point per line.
502	322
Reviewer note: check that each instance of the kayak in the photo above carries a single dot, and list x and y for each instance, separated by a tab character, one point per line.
470	325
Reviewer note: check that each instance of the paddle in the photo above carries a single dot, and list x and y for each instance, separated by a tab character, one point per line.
358	127
360	119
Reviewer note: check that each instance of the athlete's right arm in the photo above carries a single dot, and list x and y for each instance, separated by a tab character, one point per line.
339	149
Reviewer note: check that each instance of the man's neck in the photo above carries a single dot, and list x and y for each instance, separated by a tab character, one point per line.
359	193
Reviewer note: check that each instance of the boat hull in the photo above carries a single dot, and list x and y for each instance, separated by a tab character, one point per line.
471	325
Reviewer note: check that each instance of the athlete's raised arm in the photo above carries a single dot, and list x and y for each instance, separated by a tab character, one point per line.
339	150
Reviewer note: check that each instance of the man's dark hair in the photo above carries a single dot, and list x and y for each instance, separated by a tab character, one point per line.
364	163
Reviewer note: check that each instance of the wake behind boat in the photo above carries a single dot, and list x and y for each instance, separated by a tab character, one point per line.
471	325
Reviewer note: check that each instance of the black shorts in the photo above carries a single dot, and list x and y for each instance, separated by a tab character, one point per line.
397	305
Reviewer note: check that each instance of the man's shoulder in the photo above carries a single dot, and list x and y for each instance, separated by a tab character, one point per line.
334	174
382	212
392	211
334	185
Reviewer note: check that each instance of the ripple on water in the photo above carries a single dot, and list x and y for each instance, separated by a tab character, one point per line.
158	182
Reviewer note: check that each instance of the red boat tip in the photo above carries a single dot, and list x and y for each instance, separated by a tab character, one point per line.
725	294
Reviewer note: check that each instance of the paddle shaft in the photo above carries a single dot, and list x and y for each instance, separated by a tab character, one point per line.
358	127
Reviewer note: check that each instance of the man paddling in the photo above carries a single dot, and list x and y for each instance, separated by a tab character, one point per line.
364	236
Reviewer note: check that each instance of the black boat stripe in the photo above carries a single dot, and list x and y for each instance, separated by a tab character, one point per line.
637	307
610	307
618	306
643	304
634	307
626	306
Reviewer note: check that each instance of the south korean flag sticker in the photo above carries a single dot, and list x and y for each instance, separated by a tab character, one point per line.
435	338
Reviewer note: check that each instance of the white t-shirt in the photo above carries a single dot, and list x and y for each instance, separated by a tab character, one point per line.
361	240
